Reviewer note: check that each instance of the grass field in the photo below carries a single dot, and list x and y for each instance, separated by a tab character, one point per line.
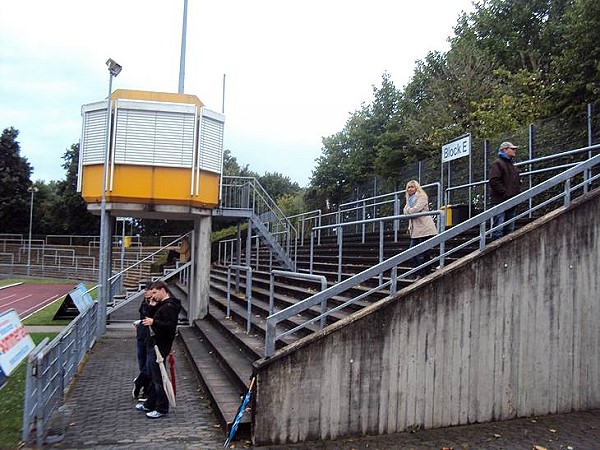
11	402
45	316
13	392
9	281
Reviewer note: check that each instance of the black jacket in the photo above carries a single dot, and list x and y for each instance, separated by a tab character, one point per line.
145	310
504	180
165	324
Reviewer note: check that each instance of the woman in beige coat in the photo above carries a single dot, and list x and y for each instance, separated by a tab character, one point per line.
420	228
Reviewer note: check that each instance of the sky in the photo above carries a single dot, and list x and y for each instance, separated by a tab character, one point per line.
294	71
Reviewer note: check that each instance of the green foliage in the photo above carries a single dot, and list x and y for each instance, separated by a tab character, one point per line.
509	64
15	173
575	71
232	168
277	185
70	214
292	204
225	233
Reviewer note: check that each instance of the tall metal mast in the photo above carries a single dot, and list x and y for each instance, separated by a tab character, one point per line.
182	57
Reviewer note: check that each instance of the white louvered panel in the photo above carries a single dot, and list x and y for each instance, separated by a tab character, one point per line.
211	141
156	134
93	134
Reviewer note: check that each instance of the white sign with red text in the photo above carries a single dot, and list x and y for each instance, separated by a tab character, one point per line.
15	342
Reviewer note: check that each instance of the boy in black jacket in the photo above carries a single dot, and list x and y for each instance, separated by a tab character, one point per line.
141	383
164	326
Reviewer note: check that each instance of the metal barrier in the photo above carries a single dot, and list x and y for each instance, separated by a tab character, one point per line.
392	264
137	265
50	368
297	276
244	197
248	269
381	221
528	164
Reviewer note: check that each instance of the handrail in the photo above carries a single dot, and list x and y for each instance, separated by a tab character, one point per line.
529	162
181	270
303	218
248	292
392	263
50	368
363	200
339	229
245	195
297	276
393	199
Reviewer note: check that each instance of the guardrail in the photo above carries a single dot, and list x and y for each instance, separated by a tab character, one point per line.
244	197
248	297
339	229
480	221
137	265
297	276
50	368
529	164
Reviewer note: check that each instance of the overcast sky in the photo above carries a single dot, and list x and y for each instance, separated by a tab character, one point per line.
295	70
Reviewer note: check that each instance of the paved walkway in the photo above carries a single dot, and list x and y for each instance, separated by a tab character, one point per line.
99	414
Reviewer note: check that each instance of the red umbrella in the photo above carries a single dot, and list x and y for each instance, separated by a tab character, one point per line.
171	360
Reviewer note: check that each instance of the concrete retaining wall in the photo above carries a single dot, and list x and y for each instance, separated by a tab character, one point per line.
510	332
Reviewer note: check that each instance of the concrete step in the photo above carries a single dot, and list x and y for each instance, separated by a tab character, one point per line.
225	393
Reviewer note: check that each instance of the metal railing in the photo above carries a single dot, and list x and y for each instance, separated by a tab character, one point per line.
380	221
297	276
138	265
50	368
248	294
391	265
246	197
528	173
52	365
305	221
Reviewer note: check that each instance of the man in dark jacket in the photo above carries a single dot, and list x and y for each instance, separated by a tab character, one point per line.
163	325
505	183
142	382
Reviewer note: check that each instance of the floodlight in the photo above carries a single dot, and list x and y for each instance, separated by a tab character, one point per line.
113	67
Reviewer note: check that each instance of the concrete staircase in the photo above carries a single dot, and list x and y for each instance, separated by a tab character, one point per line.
221	349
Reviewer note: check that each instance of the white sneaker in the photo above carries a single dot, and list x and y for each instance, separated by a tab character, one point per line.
141	407
155	414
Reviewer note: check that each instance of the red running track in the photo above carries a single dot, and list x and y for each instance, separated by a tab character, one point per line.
26	299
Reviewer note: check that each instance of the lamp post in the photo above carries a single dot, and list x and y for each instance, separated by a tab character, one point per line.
104	264
31	189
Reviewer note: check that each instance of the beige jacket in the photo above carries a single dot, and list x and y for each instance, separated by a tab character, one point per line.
421	226
184	251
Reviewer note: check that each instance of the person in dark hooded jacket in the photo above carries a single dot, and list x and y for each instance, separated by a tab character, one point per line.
141	383
505	183
163	326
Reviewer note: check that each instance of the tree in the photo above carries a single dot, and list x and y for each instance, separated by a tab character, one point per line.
292	204
328	183
232	168
15	173
46	218
70	210
278	185
576	64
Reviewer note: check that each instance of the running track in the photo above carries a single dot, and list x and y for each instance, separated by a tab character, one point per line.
26	299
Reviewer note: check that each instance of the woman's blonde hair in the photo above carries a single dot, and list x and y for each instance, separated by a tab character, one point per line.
415	183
